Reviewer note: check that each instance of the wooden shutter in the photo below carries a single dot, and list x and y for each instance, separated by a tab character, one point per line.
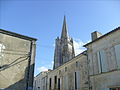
117	52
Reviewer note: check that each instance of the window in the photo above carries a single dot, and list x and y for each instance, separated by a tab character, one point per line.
58	83
117	52
55	78
76	64
43	87
115	88
65	69
59	72
55	82
65	81
77	80
39	80
35	83
99	62
102	61
50	81
38	88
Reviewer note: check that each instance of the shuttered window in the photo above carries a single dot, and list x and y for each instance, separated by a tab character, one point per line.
65	83
117	53
102	61
99	62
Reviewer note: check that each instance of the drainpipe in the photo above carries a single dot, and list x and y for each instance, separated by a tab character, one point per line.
29	62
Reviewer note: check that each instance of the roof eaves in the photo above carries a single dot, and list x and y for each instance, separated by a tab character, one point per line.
16	35
83	53
101	37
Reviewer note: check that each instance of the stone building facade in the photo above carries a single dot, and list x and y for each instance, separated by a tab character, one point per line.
40	81
104	61
17	58
70	76
97	68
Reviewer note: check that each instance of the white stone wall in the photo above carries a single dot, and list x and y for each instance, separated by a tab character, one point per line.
40	81
105	73
66	73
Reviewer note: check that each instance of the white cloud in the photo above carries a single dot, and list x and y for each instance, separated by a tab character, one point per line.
40	69
50	66
78	46
52	63
45	68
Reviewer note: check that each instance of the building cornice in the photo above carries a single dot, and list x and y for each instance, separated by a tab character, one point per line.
17	35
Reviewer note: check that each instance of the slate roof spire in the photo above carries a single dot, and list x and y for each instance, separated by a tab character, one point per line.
64	48
64	33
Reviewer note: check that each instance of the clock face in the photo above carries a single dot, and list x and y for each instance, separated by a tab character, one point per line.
2	47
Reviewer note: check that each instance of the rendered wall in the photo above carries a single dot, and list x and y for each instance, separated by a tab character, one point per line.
66	74
100	80
14	58
40	81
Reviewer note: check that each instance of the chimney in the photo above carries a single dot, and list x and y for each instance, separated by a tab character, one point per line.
95	35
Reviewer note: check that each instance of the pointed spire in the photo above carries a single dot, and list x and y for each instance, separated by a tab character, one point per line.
64	33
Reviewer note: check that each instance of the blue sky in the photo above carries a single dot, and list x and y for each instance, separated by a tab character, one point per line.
43	20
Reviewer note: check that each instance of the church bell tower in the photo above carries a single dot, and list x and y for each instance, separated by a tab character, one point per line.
64	49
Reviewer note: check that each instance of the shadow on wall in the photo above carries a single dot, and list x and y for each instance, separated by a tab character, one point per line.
15	62
23	83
